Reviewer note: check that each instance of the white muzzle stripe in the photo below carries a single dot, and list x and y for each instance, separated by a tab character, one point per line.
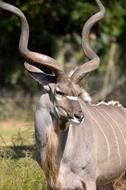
75	98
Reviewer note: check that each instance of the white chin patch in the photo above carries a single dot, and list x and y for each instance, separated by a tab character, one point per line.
75	120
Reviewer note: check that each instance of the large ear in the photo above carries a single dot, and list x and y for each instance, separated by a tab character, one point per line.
38	75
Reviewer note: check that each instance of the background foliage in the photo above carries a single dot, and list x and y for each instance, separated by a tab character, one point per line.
55	29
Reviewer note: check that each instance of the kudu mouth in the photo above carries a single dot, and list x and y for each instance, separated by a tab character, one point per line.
76	118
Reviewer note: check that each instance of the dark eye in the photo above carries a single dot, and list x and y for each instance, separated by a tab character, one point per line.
59	93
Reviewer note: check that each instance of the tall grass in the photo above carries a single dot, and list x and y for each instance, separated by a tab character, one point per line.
19	173
18	169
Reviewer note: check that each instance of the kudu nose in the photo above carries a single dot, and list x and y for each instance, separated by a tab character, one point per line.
79	116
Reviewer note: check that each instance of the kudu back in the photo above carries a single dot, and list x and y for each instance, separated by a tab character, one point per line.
79	145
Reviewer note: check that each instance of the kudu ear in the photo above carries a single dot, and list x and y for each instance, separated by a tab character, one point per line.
41	77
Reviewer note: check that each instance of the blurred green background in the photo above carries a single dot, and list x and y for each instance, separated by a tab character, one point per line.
55	30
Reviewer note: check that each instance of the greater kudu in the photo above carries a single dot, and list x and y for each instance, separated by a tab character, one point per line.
80	145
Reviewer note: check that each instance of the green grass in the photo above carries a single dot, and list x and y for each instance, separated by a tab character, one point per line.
21	174
8	133
18	169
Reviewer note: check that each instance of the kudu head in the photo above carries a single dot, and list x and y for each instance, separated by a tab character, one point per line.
64	93
64	90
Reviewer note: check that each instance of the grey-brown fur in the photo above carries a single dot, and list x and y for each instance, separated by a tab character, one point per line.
93	152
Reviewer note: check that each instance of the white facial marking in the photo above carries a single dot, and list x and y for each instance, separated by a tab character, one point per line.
72	98
75	120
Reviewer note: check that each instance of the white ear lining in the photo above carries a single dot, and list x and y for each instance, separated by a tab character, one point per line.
31	68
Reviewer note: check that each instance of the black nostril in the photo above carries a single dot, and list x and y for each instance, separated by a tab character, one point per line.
79	117
76	116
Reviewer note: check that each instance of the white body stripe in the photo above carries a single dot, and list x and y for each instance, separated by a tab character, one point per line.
114	133
102	131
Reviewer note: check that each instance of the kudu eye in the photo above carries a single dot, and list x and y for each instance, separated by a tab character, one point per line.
58	92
